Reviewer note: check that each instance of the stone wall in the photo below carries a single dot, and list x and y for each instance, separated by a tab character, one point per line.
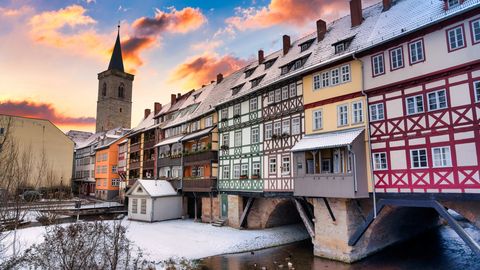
468	209
272	212
235	210
393	225
210	209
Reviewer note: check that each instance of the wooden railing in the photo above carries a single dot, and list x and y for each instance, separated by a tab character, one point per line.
199	185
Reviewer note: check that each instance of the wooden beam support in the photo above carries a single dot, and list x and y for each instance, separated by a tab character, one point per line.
308	223
243	218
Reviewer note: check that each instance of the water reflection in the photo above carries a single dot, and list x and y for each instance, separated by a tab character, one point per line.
440	248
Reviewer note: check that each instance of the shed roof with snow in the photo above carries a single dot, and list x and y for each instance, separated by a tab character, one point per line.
152	188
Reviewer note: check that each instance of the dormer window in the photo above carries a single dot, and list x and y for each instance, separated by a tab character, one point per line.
285	69
305	45
339	48
268	64
256	81
342	45
196	96
249	72
237	89
452	3
298	64
295	64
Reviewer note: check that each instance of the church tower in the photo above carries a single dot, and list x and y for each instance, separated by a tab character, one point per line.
114	103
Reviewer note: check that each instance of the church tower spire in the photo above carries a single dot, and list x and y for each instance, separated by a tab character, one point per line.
114	103
116	61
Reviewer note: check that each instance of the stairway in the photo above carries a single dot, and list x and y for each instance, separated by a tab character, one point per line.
218	222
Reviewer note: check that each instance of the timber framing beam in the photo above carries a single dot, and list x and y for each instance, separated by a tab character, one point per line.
441	210
248	207
308	223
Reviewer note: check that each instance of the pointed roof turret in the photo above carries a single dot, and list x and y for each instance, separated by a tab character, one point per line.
116	62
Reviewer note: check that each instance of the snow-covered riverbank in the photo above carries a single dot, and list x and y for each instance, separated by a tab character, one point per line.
192	240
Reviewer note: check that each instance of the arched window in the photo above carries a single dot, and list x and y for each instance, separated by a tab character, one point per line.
104	89
121	91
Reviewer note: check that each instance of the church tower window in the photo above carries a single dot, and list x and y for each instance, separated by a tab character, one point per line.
104	90
121	91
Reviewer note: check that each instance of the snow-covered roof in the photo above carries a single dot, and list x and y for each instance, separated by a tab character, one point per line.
153	188
327	140
169	140
197	134
145	124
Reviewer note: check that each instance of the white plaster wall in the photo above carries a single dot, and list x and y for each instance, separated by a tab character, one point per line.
398	160
166	208
466	154
460	94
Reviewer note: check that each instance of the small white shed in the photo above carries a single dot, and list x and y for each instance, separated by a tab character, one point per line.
153	200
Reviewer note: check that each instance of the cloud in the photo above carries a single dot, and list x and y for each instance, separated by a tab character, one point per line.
43	111
201	69
12	12
286	12
70	28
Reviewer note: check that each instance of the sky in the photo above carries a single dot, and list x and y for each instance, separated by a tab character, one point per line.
52	50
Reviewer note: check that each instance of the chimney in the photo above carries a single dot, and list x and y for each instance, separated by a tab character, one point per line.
179	95
286	44
387	4
173	99
219	77
147	113
157	107
261	57
321	29
356	12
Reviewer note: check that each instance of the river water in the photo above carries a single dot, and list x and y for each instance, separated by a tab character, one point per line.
439	248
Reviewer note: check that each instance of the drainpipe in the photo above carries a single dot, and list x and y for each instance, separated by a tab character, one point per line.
369	138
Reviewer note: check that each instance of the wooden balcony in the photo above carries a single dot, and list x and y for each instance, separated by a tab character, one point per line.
199	184
200	157
330	185
134	165
168	162
149	164
134	147
149	144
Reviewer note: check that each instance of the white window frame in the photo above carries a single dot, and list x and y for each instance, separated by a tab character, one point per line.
256	168
226	139
278	95
244	169
285	92
277	128
346	76
317	119
445	157
224	113
476	89
437	100
285	165
325	79
286	126
339	48
296	126
412	158
416	107
357	112
378	64
293	89
414	49
253	104
271	97
317	84
396	58
236	171
272	165
335	76
457	40
453	3
226	172
375	112
237	109
475	29
143	206
255	135
268	131
380	161
134	206
342	115
209	121
237	138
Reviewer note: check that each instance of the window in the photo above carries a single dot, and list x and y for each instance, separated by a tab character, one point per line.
143	207
335	74
253	104
285	69
271	97
249	72
256	81
357	112
115	182
224	113
293	89
396	58
256	169
342	114
226	172
237	139
121	91
209	121
244	170
237	109
285	92
441	157
236	171
317	119
475	29
345	73
455	38
134	206
114	169
379	161
298	64
268	131
325	79
295	125
278	95
453	3
225	139
286	126
316	82
378	65
418	158
285	165
255	135
476	86
269	63
104	89
376	112
437	100
272	165
415	104
339	48
2	131
326	166
277	128
416	51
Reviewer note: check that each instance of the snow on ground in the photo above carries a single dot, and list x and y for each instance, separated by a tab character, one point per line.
192	240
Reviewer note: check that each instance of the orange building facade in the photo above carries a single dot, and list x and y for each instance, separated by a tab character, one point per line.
106	171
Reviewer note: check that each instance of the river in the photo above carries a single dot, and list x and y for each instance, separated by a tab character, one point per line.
439	248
